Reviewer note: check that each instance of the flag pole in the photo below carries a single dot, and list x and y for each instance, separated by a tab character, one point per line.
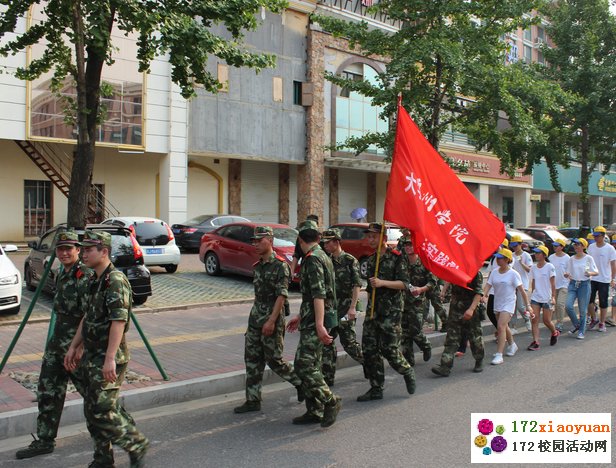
376	269
378	252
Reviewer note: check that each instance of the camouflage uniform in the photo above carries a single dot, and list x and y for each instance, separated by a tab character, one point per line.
317	281
461	300
110	299
271	279
381	334
433	296
346	268
412	317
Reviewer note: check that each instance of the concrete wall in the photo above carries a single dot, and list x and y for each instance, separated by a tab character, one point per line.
245	121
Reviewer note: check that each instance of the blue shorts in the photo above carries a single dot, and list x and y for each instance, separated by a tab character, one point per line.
542	305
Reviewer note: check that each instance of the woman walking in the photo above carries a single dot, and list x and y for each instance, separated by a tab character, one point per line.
506	282
580	269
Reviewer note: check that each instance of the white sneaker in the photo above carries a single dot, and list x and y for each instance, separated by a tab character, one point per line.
498	359
511	349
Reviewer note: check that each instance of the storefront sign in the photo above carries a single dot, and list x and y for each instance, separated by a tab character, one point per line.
606	185
484	166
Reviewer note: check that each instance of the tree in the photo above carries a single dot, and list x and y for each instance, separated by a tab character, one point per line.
583	62
78	43
447	60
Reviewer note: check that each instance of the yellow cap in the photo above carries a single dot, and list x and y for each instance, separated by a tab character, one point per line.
543	249
505	253
505	242
581	240
599	230
562	242
516	238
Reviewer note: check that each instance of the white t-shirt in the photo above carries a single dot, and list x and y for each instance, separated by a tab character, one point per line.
527	260
578	266
493	266
505	285
602	256
542	292
560	265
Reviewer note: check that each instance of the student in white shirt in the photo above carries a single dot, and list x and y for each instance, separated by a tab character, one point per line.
612	321
580	269
505	282
560	260
543	295
604	256
523	262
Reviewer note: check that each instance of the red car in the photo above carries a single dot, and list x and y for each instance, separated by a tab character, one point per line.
354	242
229	248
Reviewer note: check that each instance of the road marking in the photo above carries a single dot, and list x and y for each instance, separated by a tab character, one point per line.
20	358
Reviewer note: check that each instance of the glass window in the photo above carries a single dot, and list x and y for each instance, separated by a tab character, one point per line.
37	207
285	237
528	53
122	110
355	114
528	35
540	33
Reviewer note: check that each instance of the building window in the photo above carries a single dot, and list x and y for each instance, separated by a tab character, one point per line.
528	54
508	210
608	213
297	93
528	36
37	207
355	114
277	89
540	34
567	213
542	212
540	57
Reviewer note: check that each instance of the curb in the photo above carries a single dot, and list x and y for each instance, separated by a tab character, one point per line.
22	422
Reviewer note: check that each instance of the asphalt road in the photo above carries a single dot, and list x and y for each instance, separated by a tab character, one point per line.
428	429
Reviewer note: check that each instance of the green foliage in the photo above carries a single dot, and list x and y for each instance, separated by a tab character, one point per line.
583	62
446	50
179	29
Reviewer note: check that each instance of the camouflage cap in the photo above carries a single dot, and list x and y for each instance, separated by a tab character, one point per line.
261	232
308	225
67	238
331	234
374	227
404	240
96	238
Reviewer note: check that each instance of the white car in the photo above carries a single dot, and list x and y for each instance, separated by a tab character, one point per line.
10	282
155	238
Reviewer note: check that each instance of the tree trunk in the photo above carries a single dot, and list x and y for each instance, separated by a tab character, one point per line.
88	79
584	176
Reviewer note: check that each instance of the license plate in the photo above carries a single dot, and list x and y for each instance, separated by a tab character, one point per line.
153	251
176	231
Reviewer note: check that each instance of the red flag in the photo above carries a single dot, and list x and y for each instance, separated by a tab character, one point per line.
453	233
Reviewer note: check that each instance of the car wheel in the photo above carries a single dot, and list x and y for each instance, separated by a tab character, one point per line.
139	300
212	264
363	267
171	268
28	277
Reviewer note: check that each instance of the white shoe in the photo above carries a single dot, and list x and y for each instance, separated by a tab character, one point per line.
498	359
511	349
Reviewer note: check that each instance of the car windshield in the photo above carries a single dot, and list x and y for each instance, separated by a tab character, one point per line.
198	220
149	231
285	237
555	235
525	237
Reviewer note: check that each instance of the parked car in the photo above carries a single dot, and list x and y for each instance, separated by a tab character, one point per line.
126	255
155	238
10	282
543	226
229	248
575	232
354	242
188	234
547	236
528	242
